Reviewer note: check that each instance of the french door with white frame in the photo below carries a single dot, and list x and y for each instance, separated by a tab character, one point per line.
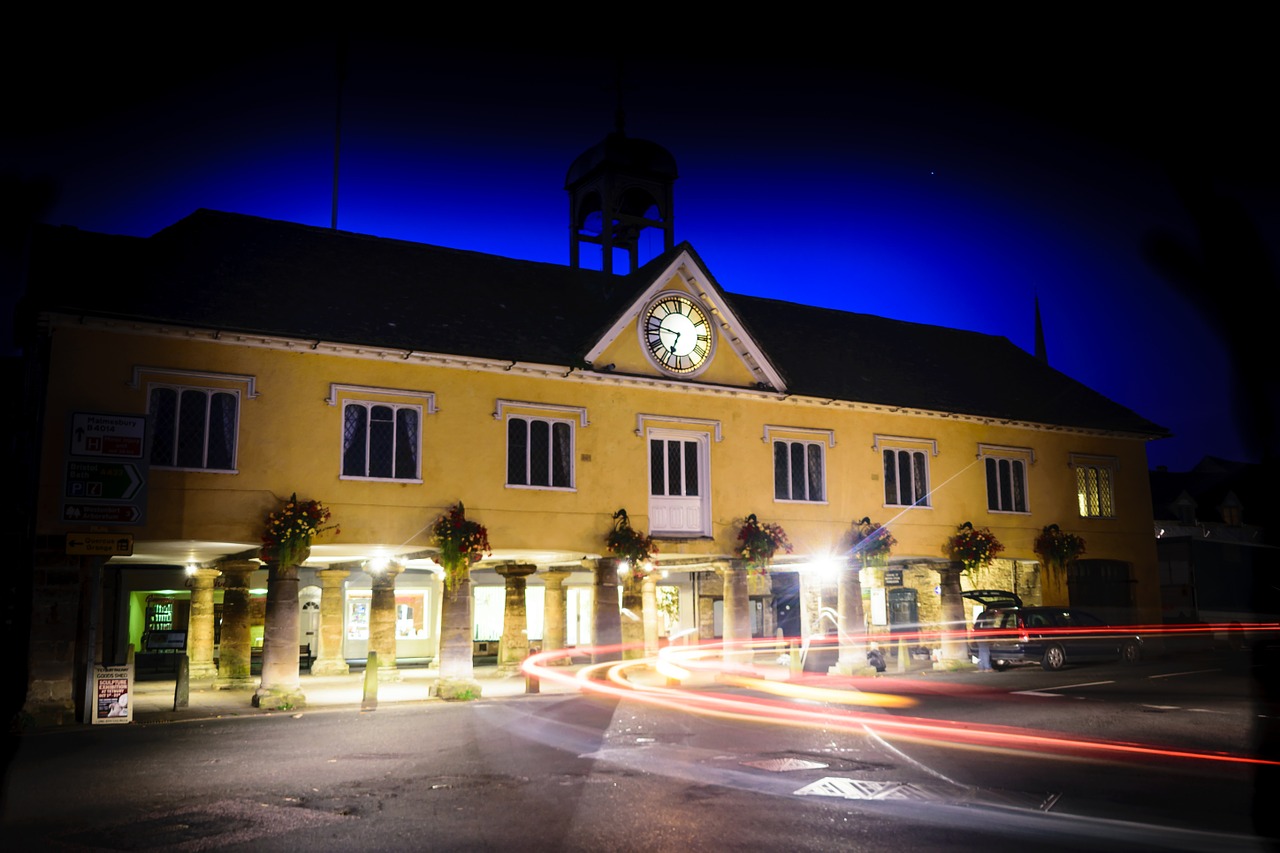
679	483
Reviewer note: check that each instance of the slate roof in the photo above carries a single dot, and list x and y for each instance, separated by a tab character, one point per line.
245	274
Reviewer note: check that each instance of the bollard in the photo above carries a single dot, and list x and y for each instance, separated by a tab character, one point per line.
531	684
796	663
370	700
902	654
182	690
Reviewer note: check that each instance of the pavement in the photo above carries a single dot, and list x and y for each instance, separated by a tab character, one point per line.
153	700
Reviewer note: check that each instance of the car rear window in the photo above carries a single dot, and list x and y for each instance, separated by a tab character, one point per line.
1038	620
996	619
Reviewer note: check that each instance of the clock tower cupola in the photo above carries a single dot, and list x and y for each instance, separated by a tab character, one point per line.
620	200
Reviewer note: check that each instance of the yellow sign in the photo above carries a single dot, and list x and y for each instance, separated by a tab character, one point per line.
100	544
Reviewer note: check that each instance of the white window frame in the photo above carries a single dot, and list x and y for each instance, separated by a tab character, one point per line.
918	449
808	448
1018	461
810	438
179	391
396	408
568	429
703	472
1103	470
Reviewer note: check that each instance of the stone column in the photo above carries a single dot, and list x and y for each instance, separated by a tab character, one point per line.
513	648
382	619
631	616
737	613
457	672
53	678
606	625
279	687
234	645
649	597
329	657
955	641
553	613
852	620
200	665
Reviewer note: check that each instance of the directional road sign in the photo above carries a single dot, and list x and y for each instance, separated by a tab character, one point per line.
112	436
110	481
101	513
106	469
100	544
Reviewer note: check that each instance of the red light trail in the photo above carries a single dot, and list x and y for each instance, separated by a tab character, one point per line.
693	673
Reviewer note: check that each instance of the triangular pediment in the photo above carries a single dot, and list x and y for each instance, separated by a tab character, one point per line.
630	346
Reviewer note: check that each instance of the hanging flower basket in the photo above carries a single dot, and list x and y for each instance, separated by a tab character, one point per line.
872	543
759	540
461	541
1056	547
974	547
627	543
286	537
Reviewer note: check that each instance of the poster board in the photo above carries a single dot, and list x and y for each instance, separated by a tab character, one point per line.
113	694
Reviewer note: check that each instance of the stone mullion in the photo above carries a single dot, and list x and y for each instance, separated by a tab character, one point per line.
554	633
737	612
330	659
955	642
457	671
234	643
852	620
279	686
513	647
382	620
649	599
200	625
632	617
606	626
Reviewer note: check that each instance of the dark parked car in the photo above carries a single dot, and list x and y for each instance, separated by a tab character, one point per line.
1052	636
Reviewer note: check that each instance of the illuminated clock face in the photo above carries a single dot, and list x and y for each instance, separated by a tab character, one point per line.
677	332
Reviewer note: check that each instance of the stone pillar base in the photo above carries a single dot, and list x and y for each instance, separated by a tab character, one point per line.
330	667
949	665
279	699
458	689
202	672
388	673
232	682
847	668
47	711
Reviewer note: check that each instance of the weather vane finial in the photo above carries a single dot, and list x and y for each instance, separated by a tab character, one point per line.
619	115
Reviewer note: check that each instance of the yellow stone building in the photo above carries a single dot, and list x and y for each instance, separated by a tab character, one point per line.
257	359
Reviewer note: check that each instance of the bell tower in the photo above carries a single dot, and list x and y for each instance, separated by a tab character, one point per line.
620	199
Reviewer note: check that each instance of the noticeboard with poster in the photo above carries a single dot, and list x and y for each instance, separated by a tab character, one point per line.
112	689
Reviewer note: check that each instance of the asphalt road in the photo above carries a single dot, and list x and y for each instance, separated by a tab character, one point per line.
566	772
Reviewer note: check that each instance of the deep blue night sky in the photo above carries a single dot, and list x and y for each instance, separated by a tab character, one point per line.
941	182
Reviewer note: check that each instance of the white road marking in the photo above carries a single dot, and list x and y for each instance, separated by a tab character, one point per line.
907	758
1037	693
1191	672
862	789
